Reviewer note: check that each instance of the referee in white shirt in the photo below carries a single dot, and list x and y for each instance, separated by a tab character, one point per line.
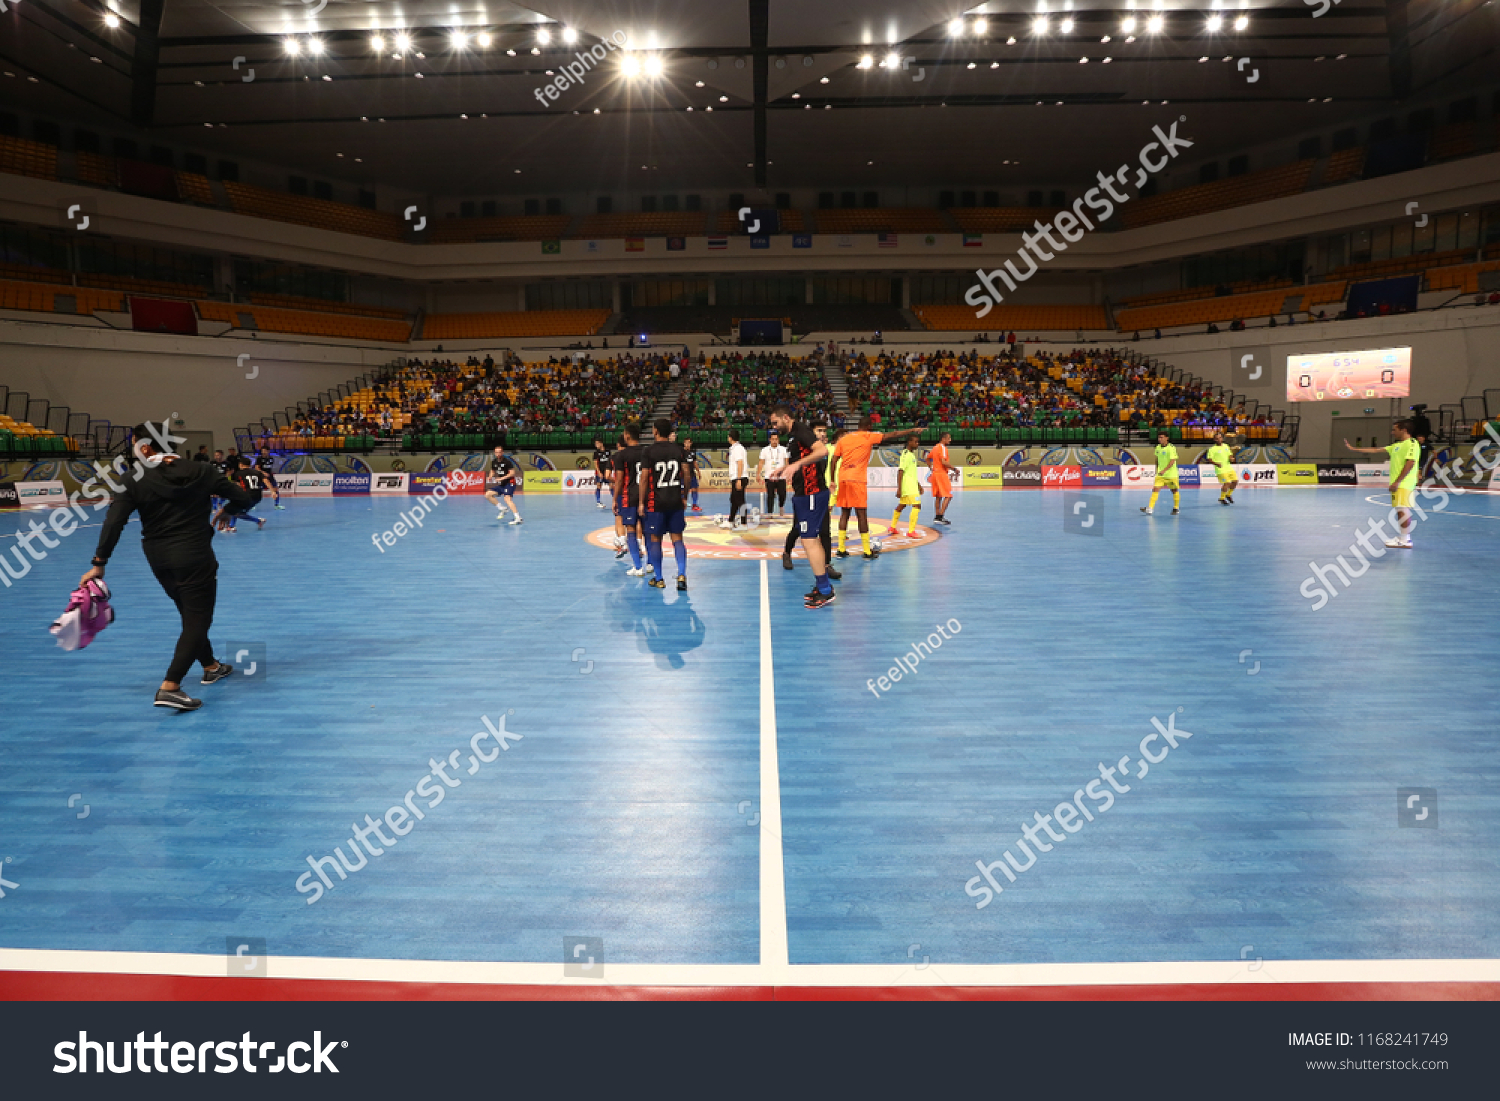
739	466
773	457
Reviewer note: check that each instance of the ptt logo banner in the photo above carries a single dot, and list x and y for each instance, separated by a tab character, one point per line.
984	477
1189	475
287	483
1100	476
9	498
316	485
1337	475
31	494
464	481
351	483
1023	477
1137	476
579	481
389	483
1256	474
1372	474
1296	474
422	483
1062	477
544	481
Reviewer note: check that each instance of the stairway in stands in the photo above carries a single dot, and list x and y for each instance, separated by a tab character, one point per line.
669	400
838	382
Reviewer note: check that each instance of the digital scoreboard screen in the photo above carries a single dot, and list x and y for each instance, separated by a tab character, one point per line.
1346	376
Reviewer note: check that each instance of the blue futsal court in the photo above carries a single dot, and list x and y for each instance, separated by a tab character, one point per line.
708	778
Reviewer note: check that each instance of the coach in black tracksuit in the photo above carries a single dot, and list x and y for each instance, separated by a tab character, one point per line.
172	497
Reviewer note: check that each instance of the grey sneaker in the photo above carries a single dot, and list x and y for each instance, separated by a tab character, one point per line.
178	700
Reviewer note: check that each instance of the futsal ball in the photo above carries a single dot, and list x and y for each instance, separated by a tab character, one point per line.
876	545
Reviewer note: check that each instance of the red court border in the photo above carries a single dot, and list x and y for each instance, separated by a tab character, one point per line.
55	986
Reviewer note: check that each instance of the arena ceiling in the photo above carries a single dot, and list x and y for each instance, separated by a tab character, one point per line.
750	93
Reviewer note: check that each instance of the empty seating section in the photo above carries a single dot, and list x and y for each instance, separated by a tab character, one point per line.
195	188
1161	298
305	322
1453	140
1000	219
1202	311
1345	165
884	220
1323	294
96	169
20	157
41	297
22	438
1002	318
319	213
531	323
28	274
791	221
1459	277
537	227
1401	265
318	305
1253	187
142	286
659	224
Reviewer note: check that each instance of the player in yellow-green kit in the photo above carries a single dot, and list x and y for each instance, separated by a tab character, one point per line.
1166	473
908	489
1220	455
1406	462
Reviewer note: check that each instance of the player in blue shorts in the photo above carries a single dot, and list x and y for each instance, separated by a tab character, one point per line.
625	482
602	469
806	473
692	471
664	467
508	476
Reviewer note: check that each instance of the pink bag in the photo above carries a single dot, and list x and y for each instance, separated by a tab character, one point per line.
88	612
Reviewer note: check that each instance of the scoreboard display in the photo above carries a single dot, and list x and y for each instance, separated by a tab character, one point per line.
1346	376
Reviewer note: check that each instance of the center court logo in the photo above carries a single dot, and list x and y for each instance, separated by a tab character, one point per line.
705	539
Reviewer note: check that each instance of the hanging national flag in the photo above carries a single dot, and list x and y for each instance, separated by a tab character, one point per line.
676	244
886	240
802	240
635	244
551	247
973	240
718	242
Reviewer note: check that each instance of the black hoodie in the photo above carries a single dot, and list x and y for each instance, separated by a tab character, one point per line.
173	500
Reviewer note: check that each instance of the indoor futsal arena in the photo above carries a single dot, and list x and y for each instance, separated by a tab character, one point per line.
748	501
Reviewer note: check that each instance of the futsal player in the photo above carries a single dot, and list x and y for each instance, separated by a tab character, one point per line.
625	483
250	479
942	487
806	473
825	530
601	470
267	467
1406	463
508	474
664	466
772	457
1166	473
1220	455
692	470
171	495
853	489
738	478
908	488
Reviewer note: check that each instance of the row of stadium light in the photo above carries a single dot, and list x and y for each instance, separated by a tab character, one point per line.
1154	24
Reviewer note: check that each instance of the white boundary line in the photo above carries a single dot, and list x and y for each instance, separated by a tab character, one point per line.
773	932
1384	499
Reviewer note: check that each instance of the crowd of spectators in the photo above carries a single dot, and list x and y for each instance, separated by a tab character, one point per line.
738	388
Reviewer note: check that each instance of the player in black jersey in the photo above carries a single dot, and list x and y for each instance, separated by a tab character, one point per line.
664	471
602	470
508	476
267	467
252	482
625	483
691	481
805	472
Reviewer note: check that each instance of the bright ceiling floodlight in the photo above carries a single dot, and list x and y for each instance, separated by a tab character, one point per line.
630	66
1215	21
1066	26
460	40
483	38
1011	41
293	47
823	80
1155	24
315	46
377	43
543	35
403	43
892	61
1242	22
653	65
956	27
1127	25
570	36
866	62
1041	25
980	26
111	20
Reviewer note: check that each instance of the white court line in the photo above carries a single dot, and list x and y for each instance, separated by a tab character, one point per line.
1436	512
773	934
